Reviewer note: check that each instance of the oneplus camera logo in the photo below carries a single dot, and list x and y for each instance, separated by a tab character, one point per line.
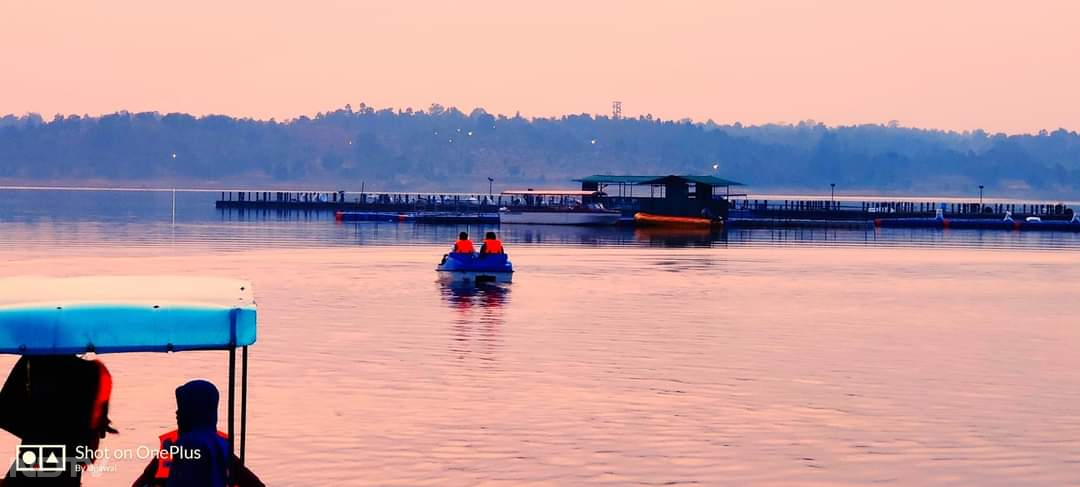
40	458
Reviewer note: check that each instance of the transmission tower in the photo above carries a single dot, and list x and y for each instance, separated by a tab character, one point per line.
616	110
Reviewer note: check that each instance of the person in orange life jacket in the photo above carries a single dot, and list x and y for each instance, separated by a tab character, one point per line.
57	400
463	244
196	421
491	245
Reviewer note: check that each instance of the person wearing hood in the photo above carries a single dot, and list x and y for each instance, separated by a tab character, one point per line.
202	452
203	457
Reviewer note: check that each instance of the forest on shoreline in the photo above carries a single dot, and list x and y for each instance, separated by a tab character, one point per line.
446	149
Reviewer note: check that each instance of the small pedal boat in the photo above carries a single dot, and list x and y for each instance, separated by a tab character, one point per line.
476	267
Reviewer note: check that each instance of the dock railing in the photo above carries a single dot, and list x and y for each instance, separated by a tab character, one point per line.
808	208
871	209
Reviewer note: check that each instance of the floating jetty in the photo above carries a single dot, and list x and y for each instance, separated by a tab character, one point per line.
681	197
384	202
828	213
1007	223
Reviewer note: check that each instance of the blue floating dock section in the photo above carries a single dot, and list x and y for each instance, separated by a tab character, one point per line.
910	223
750	222
368	216
50	316
450	217
433	217
981	224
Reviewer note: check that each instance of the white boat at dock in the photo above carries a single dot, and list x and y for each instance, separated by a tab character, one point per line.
559	217
556	207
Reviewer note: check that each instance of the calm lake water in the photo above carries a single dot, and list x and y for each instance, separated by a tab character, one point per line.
616	357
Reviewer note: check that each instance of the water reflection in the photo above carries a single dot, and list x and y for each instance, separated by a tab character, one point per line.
49	220
478	316
679	237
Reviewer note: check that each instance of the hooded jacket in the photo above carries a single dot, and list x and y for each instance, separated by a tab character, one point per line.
203	457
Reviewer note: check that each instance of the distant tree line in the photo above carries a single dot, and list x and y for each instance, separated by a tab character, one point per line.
445	148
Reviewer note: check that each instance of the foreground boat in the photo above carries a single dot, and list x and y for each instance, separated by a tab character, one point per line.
42	316
476	267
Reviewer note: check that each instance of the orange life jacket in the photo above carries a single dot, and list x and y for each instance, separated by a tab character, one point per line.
164	461
463	247
493	247
99	415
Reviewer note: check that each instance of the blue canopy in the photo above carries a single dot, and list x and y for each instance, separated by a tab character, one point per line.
41	316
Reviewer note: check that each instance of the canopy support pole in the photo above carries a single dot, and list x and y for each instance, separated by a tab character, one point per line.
243	402
232	411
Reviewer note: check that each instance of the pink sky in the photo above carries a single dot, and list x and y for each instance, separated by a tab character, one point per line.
1002	66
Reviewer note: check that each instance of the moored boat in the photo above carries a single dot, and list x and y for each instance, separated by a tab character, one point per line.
557	207
554	216
642	218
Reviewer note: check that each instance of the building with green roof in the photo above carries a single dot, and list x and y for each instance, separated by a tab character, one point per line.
674	195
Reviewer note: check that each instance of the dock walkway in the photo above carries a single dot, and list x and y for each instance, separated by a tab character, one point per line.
741	211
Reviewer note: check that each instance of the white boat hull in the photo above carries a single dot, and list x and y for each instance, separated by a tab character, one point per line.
559	217
476	276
